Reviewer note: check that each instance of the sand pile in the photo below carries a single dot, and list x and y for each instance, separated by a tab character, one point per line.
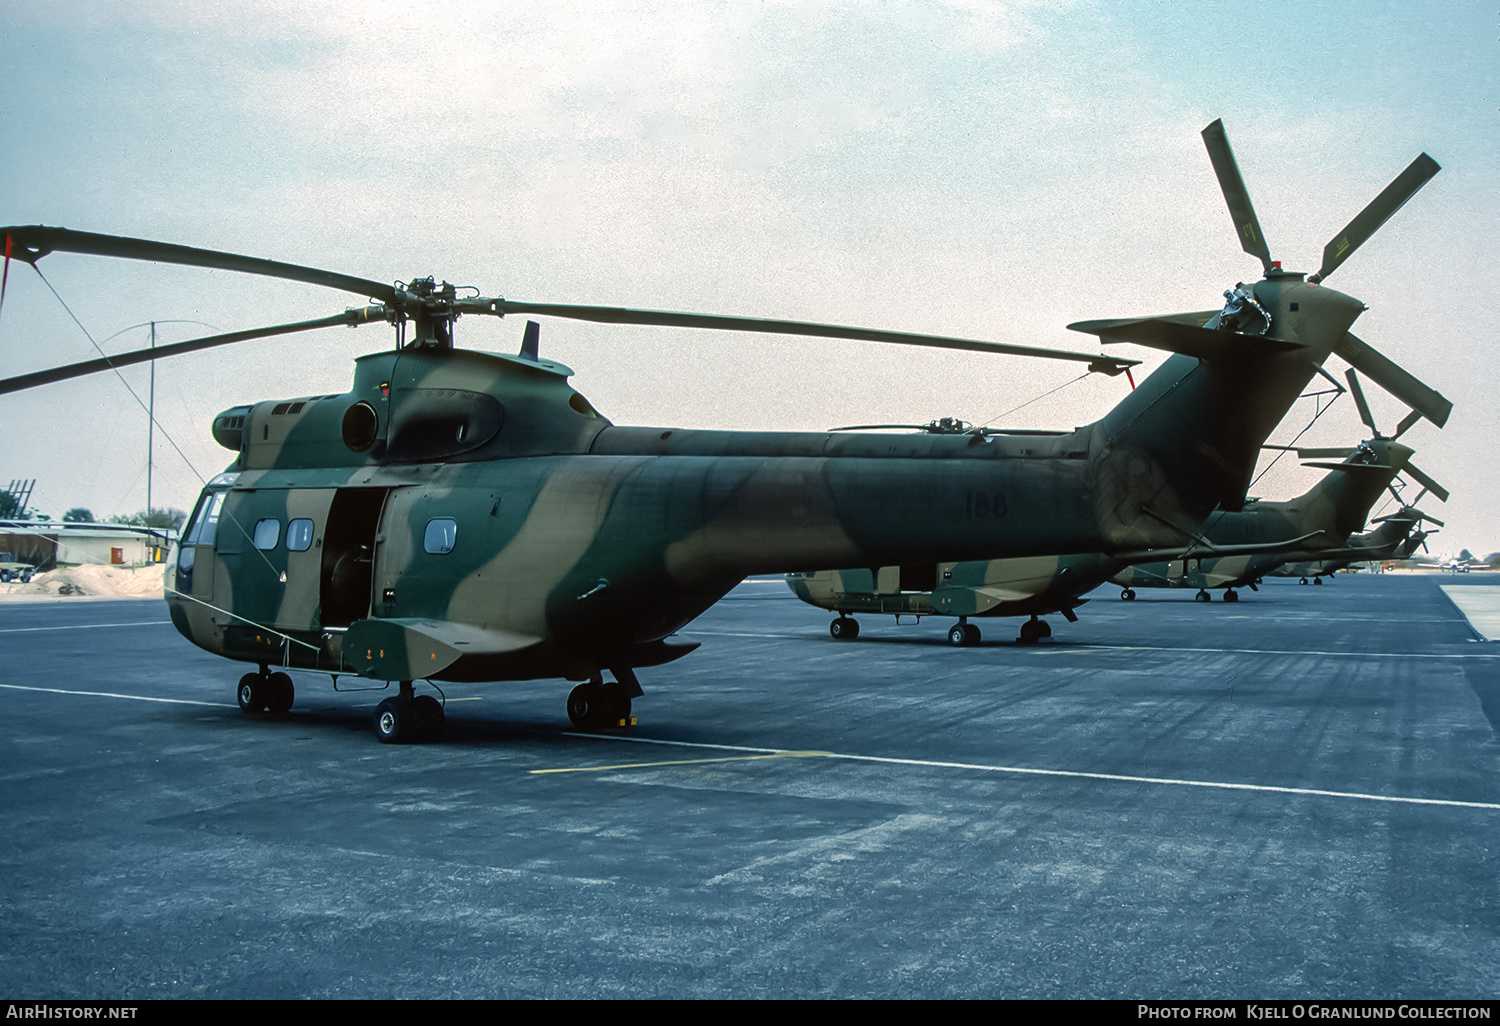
93	580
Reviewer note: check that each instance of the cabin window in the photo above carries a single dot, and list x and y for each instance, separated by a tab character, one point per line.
267	533
440	536
299	535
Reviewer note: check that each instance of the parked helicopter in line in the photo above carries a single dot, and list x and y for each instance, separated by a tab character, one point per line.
1397	538
1234	549
467	516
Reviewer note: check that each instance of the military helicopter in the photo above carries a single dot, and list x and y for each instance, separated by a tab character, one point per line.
1396	538
467	516
1316	523
1234	550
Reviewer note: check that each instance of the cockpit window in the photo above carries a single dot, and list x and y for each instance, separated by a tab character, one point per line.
206	524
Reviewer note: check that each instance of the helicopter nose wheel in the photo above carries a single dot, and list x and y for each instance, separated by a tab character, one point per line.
845	628
1127	595
266	691
1203	596
408	718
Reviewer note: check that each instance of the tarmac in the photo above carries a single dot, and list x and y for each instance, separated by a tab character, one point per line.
1295	796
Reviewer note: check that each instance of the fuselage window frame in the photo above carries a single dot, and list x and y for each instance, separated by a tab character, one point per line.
267	534
440	536
299	534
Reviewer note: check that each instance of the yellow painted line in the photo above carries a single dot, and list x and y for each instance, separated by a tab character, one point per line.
685	762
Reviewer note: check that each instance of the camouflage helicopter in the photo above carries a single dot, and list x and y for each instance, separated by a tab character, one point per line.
1397	537
1335	508
1234	549
467	516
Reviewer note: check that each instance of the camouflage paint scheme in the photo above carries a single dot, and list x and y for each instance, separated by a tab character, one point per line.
1035	586
582	546
1029	585
1330	511
1395	539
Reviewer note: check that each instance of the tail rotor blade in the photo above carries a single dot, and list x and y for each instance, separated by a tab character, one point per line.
1359	401
1406	422
1426	482
1232	184
1368	221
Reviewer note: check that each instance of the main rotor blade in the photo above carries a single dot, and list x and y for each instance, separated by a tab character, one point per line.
1232	184
1336	453
32	242
1393	379
359	315
1368	221
1359	401
1426	482
661	318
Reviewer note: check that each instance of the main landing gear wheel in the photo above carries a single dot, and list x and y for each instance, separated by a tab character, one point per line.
1127	595
280	694
407	718
1033	631
265	690
963	634
1317	580
252	693
844	629
1203	596
594	704
1231	595
1303	581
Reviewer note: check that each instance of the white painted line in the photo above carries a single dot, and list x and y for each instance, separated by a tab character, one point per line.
1074	774
1070	646
111	694
85	626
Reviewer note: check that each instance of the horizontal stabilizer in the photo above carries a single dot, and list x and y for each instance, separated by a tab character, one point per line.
417	649
1178	336
1393	379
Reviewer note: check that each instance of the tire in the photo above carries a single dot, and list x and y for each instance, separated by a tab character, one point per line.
1127	595
393	722
971	634
844	629
252	693
589	706
280	694
959	634
1231	596
429	719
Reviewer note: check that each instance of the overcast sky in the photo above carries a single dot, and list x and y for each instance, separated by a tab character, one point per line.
991	170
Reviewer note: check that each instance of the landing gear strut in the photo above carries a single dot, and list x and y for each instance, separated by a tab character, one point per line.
595	703
1033	631
409	718
266	690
